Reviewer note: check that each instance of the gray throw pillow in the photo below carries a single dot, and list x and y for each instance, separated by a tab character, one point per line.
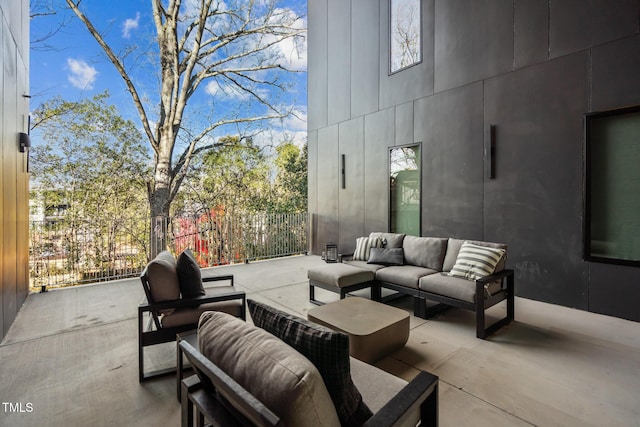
386	256
326	349
189	276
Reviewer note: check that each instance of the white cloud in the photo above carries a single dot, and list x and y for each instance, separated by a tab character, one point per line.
129	25
81	74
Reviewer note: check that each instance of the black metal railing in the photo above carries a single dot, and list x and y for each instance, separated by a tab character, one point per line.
65	252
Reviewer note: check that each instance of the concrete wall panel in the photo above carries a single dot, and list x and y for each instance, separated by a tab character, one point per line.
531	32
615	74
365	57
317	90
580	24
339	61
352	207
450	128
535	201
378	137
473	40
328	181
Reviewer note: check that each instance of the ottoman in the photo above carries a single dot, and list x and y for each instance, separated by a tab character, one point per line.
342	279
375	329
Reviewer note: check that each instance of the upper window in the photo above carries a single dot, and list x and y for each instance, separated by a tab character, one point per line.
405	34
612	219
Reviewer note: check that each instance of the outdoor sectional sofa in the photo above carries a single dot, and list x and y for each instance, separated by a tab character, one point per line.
447	271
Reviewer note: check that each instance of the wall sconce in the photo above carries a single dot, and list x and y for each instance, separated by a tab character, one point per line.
342	171
490	152
24	142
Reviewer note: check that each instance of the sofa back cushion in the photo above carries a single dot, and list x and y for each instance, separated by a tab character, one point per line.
162	277
281	378
389	240
425	252
453	248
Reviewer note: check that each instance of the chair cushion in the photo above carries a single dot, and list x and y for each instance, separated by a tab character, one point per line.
363	247
406	275
379	387
189	276
277	375
386	256
326	349
425	252
186	316
163	279
475	261
389	240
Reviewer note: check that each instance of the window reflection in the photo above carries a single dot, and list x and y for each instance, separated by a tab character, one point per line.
404	169
405	34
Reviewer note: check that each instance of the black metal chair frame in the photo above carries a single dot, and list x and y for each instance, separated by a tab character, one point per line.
214	397
155	333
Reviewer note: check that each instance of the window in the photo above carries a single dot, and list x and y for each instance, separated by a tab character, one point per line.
405	190
405	34
612	196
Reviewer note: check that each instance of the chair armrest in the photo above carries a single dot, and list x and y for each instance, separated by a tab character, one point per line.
420	394
348	256
495	277
194	302
218	278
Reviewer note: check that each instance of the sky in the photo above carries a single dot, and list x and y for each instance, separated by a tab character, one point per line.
71	64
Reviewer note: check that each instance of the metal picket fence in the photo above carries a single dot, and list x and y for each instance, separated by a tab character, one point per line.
64	252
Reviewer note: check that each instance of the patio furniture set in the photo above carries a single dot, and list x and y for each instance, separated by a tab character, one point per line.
285	370
450	272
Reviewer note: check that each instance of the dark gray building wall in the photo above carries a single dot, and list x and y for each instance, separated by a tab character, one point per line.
532	69
14	179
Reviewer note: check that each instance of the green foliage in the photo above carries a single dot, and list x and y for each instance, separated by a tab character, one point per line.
90	177
290	186
234	177
92	158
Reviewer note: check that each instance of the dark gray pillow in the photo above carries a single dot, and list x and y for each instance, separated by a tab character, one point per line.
326	349
386	256
189	276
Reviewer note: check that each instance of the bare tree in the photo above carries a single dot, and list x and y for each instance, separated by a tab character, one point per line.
212	45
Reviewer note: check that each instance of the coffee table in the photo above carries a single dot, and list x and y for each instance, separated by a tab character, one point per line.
375	329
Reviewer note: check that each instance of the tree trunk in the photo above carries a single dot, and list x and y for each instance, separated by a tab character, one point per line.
160	201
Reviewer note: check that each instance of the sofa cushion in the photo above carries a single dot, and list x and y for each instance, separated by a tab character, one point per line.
277	375
453	247
365	265
425	252
455	287
406	275
389	240
363	247
340	275
163	279
386	256
189	276
326	349
475	261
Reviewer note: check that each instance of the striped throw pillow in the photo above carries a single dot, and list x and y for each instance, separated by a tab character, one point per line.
475	261
363	247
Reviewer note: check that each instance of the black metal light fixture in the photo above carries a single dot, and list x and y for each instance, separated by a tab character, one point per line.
331	252
24	142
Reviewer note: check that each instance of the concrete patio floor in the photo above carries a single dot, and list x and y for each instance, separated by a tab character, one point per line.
70	358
